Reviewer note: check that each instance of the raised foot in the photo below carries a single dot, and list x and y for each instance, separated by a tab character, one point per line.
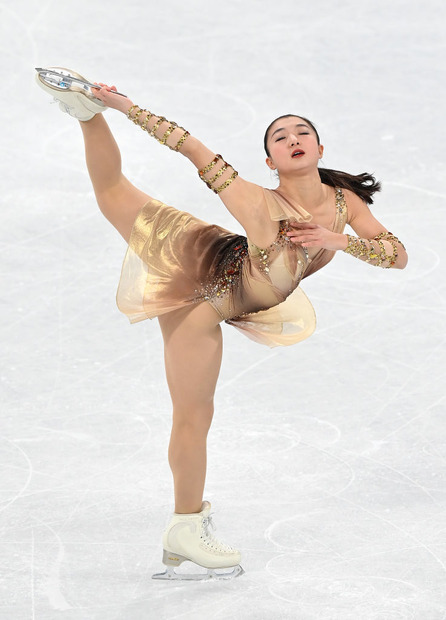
71	90
62	79
211	573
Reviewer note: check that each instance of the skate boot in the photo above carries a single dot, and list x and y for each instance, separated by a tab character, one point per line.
187	537
71	90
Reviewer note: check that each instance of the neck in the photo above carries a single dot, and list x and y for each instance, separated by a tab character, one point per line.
306	189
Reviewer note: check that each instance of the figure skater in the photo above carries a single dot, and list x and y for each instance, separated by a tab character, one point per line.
193	275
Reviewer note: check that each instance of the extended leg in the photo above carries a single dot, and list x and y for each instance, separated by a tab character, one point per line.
118	199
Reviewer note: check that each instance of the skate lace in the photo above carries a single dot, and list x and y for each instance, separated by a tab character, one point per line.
209	539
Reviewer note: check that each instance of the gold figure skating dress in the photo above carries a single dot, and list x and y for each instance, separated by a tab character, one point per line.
176	260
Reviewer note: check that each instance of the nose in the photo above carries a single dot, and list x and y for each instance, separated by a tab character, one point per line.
293	139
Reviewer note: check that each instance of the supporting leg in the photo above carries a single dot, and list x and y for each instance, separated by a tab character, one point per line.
193	352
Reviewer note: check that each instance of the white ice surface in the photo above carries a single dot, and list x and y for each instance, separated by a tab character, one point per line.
326	459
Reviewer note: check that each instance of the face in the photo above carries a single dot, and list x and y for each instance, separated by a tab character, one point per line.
292	145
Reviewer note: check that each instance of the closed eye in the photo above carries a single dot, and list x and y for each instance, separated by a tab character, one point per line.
303	133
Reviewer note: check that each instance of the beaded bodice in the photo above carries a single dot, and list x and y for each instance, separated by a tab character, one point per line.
253	278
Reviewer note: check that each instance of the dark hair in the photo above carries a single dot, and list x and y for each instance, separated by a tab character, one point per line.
364	185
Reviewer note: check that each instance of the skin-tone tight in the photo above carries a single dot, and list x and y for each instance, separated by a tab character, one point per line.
192	336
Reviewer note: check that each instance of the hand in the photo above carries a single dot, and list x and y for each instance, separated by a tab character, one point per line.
312	235
105	94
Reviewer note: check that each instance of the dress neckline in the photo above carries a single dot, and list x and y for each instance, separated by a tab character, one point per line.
303	215
282	210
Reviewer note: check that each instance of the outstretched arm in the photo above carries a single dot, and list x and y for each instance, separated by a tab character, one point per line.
243	199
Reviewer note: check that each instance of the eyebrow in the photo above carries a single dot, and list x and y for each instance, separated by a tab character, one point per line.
283	129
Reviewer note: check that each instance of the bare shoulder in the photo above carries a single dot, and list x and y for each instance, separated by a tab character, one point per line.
355	205
360	218
243	199
242	193
246	202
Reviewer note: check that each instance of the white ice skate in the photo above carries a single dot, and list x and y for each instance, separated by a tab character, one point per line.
187	537
72	91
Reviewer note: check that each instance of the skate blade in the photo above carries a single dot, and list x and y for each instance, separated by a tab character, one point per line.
54	78
212	573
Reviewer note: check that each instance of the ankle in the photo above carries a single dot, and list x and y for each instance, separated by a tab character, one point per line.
187	508
94	119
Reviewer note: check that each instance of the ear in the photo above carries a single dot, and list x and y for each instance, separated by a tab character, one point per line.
321	151
270	163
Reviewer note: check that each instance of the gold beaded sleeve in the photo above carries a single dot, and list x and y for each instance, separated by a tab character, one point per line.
375	251
219	171
166	132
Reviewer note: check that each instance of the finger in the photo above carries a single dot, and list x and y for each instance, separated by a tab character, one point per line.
305	239
302	225
307	244
303	236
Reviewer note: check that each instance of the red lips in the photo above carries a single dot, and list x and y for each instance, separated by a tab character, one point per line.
297	152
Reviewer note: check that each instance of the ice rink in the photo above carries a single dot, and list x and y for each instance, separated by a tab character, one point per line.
326	459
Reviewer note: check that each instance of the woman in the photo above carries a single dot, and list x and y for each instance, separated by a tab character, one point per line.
193	275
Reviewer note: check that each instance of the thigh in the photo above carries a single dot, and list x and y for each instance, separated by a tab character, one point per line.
121	204
192	353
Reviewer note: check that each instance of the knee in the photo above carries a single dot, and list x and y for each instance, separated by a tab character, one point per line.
195	419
